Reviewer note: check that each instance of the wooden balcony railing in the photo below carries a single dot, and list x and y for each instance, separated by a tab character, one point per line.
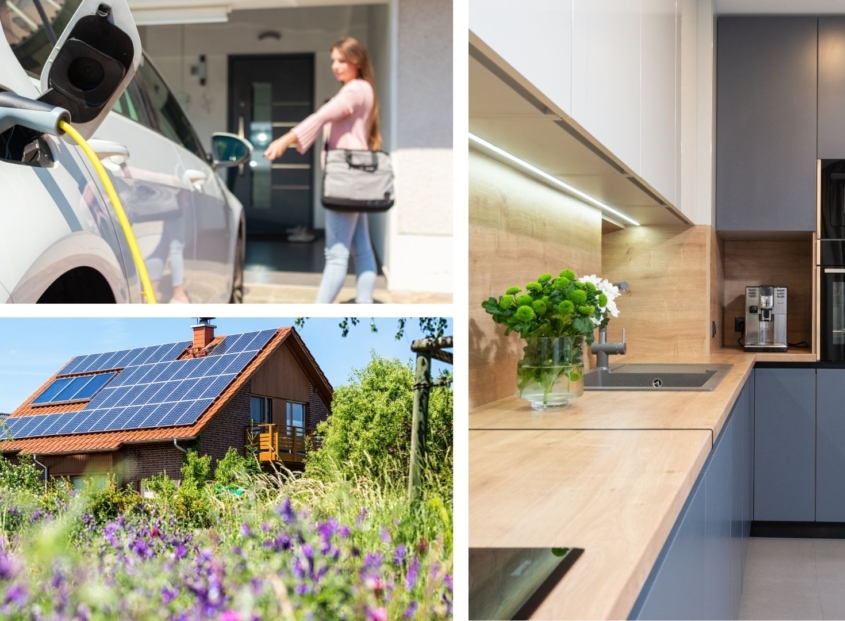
281	442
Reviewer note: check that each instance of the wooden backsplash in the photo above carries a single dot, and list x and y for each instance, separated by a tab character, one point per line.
519	228
670	271
778	263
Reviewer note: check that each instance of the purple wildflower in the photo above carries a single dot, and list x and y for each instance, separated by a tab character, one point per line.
9	566
168	594
385	535
411	610
399	556
16	594
246	531
285	510
377	614
345	532
413	573
362	516
230	615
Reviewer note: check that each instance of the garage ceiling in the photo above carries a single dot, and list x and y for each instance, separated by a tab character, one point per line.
506	112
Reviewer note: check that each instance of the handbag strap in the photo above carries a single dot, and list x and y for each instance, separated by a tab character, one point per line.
371	167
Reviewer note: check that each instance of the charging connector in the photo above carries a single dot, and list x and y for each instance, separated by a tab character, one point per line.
34	115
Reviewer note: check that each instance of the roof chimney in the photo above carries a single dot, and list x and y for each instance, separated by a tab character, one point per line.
203	332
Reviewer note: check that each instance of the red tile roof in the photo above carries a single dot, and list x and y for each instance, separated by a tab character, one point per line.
111	440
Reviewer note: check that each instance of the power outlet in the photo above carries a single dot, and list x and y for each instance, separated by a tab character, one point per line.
739	324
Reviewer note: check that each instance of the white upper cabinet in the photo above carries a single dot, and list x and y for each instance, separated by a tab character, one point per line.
611	65
660	126
535	37
606	74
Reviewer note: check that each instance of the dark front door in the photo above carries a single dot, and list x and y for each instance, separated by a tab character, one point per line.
269	95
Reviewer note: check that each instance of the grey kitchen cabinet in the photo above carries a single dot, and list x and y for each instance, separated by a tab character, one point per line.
677	590
830	446
831	87
766	124
717	555
698	574
784	444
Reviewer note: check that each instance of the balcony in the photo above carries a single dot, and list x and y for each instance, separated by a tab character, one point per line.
281	443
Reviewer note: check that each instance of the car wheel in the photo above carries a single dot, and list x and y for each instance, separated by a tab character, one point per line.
238	276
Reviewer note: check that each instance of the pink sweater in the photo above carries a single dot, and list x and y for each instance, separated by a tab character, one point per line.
346	117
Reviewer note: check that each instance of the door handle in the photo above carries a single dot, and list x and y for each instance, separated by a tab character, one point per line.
195	177
113	151
834	270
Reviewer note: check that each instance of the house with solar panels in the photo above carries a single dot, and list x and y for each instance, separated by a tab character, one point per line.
135	412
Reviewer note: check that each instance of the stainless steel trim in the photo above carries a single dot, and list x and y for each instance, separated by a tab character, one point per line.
834	270
292	166
285	124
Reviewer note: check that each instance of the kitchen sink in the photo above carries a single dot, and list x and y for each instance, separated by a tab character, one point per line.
656	377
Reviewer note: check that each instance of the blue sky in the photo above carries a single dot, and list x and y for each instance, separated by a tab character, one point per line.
31	350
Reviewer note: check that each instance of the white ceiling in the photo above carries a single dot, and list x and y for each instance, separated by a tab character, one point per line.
773	7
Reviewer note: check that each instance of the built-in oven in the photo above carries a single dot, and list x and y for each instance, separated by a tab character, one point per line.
830	260
832	310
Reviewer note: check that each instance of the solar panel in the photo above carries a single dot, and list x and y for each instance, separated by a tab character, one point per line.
153	389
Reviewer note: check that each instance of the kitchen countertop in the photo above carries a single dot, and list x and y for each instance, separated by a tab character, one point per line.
609	474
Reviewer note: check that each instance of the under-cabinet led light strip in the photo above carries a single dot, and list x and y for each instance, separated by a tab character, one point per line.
536	171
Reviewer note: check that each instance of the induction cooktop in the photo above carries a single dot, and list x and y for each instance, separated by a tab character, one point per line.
511	583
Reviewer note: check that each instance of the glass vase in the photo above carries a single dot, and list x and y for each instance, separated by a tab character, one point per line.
551	371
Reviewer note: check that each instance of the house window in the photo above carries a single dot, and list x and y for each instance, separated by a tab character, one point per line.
261	410
90	481
296	415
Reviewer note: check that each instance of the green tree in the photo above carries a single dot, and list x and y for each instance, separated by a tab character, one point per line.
369	430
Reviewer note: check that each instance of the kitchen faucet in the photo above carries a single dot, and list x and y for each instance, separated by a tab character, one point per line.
603	349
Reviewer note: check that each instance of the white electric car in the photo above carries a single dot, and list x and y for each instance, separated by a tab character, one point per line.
60	241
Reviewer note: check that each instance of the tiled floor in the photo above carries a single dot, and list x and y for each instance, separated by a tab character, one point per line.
794	579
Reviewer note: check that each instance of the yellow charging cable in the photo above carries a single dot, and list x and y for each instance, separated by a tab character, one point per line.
118	209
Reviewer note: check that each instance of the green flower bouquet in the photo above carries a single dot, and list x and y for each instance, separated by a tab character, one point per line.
555	317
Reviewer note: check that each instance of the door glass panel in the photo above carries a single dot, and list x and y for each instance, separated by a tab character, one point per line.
260	135
838	308
296	415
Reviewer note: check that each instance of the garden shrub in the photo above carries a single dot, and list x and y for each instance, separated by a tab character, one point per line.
23	476
111	501
196	470
234	469
369	430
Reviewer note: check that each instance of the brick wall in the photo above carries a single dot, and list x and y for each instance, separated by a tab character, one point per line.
226	428
141	461
317	410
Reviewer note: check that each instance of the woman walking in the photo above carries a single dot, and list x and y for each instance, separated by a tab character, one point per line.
349	121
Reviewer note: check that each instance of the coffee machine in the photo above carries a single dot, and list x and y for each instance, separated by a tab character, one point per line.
765	318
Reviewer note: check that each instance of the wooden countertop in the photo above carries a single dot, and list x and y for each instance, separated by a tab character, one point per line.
609	474
637	409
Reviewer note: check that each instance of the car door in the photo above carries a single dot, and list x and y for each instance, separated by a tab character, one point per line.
53	220
146	170
210	258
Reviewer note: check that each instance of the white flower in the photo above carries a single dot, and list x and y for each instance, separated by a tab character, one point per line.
610	290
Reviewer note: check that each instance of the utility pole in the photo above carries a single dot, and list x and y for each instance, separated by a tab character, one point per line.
426	349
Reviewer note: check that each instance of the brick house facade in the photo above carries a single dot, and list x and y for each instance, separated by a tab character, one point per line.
282	371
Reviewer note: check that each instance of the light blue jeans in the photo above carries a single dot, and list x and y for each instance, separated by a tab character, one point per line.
345	232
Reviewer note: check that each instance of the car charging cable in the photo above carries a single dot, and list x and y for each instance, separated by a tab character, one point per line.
47	119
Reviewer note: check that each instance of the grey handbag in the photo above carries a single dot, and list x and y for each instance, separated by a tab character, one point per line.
357	181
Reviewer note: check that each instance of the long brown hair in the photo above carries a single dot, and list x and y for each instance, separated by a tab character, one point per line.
354	52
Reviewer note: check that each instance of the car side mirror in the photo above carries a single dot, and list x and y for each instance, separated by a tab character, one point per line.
228	150
92	63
